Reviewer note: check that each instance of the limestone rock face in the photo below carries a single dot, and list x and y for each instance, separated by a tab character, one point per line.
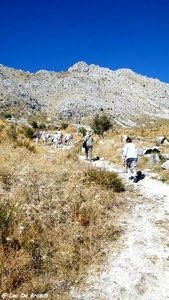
85	90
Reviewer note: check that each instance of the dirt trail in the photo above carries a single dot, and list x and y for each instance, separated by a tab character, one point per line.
141	270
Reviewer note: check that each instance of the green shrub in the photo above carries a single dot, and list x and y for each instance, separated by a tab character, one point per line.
8	116
100	124
34	124
82	131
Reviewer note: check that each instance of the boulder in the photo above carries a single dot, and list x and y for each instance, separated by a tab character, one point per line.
144	150
165	165
160	139
166	142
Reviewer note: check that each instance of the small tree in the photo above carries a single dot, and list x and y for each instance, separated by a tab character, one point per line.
34	124
100	124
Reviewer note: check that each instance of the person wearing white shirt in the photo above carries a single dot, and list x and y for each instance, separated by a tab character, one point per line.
130	156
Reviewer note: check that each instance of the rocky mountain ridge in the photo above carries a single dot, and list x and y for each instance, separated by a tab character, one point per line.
84	90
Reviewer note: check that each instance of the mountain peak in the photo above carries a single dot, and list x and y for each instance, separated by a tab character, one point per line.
85	90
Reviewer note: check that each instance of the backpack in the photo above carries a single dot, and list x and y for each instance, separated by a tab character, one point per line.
84	144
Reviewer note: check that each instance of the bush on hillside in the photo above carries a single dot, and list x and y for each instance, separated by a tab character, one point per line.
100	124
34	124
82	131
7	116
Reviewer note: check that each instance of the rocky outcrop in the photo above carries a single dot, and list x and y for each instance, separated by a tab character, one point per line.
165	165
148	150
85	90
162	140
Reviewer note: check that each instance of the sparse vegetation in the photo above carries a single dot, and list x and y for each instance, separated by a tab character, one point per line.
55	223
57	214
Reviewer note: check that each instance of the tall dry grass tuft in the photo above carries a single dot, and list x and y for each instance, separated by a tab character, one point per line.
106	179
25	143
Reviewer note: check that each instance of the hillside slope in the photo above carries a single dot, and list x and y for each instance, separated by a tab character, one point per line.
84	90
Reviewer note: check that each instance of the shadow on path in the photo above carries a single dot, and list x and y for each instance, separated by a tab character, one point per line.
140	176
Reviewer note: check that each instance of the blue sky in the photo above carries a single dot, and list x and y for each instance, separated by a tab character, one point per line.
55	34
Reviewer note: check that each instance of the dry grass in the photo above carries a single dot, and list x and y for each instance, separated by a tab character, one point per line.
57	214
53	222
105	179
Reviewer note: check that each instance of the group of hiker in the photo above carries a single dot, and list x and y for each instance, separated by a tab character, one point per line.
56	138
130	151
130	155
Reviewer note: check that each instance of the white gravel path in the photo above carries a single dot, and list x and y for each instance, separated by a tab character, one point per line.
141	270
